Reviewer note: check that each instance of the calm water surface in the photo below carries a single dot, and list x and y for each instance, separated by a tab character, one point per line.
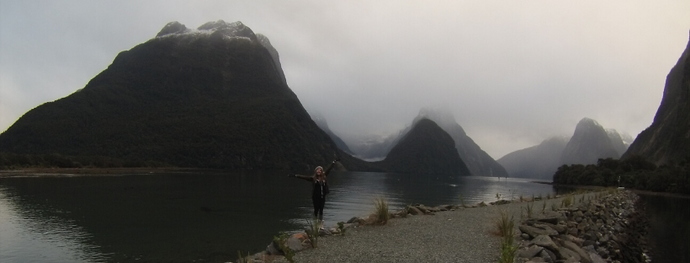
669	233
203	216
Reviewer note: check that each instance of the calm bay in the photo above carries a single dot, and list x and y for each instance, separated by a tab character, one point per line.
202	216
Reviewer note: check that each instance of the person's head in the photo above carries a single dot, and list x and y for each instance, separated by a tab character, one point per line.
318	171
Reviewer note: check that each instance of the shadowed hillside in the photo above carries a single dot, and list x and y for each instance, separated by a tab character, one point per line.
426	149
667	140
210	97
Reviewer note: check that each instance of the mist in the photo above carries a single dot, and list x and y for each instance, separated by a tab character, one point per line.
511	73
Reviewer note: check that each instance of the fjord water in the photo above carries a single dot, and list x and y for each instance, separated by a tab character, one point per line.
201	216
669	227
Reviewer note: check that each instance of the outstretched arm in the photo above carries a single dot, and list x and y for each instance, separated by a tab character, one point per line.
330	166
303	177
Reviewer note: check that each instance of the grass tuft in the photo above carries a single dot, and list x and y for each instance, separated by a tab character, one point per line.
341	228
381	211
567	201
505	226
243	259
281	240
529	209
313	233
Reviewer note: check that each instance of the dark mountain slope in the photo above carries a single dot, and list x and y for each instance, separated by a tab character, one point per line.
539	162
212	97
589	143
667	140
477	160
425	149
323	124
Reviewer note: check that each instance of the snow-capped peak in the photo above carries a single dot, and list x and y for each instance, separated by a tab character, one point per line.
234	30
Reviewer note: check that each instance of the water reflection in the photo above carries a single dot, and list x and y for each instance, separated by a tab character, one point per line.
669	233
200	216
38	234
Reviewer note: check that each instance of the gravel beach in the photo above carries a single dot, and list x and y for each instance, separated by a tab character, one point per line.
462	235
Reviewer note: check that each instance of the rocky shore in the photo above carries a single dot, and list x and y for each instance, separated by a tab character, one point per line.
596	227
608	227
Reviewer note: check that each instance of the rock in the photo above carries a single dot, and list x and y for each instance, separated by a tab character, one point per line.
606	229
296	242
548	256
550	219
357	221
583	256
603	252
596	258
576	240
500	202
530	252
324	232
566	253
414	211
535	231
545	241
272	249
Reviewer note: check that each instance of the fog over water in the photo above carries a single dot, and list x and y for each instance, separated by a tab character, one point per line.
511	72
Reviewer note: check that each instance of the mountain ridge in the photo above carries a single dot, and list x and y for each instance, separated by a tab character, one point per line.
589	142
667	139
188	98
425	149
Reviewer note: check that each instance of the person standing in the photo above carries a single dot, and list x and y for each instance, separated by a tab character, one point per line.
319	189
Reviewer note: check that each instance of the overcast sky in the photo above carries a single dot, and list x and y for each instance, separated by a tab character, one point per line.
512	72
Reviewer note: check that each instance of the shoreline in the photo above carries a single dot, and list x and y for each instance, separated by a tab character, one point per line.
459	234
70	172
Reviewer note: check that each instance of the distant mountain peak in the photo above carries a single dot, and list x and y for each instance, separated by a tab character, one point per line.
587	122
231	31
589	142
426	149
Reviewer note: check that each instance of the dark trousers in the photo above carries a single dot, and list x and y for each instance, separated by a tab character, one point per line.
319	203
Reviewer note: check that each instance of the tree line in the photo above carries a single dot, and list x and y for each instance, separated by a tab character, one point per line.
635	172
10	161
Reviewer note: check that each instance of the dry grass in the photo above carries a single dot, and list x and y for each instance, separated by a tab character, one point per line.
381	212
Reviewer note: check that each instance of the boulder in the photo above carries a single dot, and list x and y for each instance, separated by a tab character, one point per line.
414	211
583	256
551	219
596	258
296	242
530	252
535	231
273	249
566	254
546	242
548	256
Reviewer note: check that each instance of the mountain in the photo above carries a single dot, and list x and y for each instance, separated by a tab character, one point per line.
477	161
425	149
589	143
373	147
323	124
667	140
617	141
213	97
538	162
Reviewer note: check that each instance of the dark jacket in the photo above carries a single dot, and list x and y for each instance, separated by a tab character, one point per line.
320	188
